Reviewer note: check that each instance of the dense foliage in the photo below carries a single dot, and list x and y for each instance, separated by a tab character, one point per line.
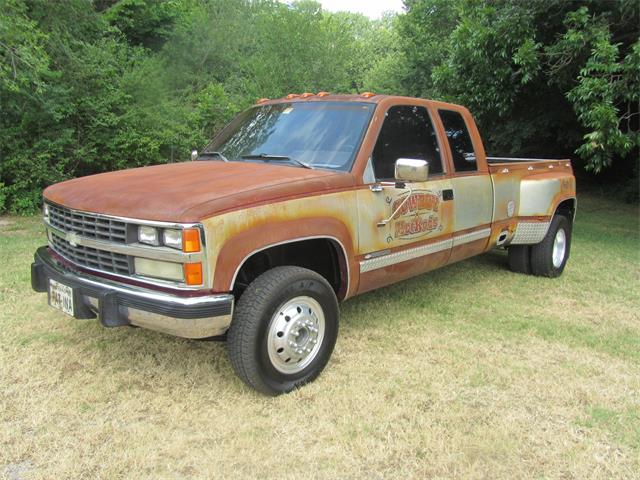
90	86
541	76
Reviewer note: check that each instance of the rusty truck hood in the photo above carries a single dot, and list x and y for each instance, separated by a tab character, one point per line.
192	191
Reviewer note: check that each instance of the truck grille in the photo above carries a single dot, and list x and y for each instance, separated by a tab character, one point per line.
88	225
90	257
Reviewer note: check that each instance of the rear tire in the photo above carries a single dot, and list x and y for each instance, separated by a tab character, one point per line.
520	258
549	257
283	330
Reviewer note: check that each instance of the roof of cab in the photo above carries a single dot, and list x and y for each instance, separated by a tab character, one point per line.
366	97
323	96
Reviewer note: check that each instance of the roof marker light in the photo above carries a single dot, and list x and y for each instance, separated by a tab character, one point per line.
368	94
306	95
292	95
323	94
261	100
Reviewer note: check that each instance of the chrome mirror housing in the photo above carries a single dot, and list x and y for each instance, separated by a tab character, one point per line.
194	155
411	170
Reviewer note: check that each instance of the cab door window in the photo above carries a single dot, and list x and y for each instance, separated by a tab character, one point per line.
464	156
407	132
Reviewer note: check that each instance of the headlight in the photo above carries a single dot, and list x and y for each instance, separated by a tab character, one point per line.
158	269
187	240
172	238
45	212
148	235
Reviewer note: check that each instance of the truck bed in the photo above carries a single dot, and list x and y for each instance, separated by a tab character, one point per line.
537	165
500	160
527	189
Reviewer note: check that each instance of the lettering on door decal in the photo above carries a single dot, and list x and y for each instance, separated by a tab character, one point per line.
419	216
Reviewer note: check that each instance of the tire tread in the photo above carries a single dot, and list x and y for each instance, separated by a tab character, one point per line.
541	253
248	316
520	258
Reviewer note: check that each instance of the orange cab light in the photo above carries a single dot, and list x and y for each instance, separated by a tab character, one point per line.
292	95
190	240
323	94
306	95
261	100
193	273
368	94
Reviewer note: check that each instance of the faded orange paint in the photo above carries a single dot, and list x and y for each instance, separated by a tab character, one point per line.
246	207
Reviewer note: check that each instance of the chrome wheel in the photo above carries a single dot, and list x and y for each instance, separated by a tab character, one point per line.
559	248
295	334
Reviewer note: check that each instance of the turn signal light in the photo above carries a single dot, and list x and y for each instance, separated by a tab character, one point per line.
190	240
193	273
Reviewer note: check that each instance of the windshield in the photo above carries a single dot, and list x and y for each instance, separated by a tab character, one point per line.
318	134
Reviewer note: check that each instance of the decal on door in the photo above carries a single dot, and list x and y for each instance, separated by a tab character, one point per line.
418	216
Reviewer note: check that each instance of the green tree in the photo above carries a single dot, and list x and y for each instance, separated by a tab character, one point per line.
91	86
546	77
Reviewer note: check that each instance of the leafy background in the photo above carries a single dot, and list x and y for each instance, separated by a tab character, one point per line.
91	86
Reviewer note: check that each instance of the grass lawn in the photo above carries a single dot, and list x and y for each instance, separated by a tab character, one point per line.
467	372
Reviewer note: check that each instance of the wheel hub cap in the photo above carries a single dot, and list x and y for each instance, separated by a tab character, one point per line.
559	248
295	334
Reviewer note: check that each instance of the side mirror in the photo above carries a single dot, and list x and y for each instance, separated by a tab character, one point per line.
411	170
194	155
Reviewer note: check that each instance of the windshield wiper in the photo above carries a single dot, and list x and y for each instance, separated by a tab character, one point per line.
213	154
267	157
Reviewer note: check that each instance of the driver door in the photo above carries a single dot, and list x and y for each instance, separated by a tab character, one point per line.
404	229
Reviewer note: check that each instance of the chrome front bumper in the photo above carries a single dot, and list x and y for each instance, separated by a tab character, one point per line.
116	304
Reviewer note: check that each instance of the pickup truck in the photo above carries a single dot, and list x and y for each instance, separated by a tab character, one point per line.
298	204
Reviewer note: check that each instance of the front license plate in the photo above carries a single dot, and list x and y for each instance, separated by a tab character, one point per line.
61	297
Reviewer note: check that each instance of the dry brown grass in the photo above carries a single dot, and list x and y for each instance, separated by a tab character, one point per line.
468	372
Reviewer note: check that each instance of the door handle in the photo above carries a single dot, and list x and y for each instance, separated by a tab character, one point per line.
447	194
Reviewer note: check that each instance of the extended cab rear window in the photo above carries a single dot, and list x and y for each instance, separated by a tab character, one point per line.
464	156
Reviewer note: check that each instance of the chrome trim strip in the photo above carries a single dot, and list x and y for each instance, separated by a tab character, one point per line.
379	253
404	255
133	249
139	221
299	239
416	252
471	237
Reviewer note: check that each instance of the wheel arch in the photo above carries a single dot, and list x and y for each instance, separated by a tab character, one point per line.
339	265
283	237
567	207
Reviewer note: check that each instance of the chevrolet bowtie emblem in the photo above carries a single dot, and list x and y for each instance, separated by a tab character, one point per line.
72	238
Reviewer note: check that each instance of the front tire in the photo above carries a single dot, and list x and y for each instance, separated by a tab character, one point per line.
284	329
549	257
